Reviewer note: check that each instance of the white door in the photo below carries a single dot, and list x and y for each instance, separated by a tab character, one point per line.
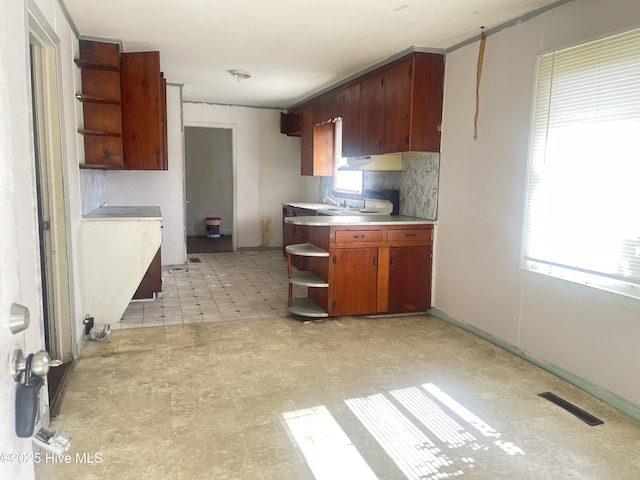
20	273
19	269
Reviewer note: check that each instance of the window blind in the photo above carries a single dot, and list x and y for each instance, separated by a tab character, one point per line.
583	199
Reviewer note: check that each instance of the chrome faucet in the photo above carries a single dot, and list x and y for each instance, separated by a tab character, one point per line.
332	200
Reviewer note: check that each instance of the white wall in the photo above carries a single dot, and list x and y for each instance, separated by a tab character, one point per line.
591	334
159	188
266	168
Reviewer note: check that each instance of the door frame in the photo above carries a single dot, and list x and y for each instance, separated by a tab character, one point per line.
48	134
234	150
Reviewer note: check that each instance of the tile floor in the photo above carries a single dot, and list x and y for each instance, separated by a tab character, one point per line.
259	395
221	287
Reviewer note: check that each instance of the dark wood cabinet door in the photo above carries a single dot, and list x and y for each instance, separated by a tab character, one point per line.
397	107
163	125
372	115
152	281
323	149
327	106
409	279
355	281
306	142
351	121
142	111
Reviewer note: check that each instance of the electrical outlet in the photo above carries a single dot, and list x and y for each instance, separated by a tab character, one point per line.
88	324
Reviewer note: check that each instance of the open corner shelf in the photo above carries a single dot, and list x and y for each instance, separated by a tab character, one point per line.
304	306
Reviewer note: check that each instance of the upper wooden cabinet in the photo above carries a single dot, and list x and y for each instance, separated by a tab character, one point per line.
102	120
395	108
327	106
317	145
143	112
291	124
124	108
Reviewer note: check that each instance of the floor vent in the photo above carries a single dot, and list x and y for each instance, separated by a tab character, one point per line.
571	408
195	260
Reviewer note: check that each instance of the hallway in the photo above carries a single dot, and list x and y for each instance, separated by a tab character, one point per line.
247	392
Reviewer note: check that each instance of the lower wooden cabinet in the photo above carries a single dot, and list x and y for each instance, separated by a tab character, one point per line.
409	279
354	284
370	269
151	283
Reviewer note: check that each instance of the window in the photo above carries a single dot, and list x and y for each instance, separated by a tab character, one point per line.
583	206
344	182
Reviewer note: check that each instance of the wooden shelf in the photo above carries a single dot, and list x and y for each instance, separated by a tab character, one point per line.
91	65
307	279
306	308
306	250
95	99
96	166
99	133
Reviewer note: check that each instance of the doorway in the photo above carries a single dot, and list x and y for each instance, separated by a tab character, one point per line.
209	188
51	209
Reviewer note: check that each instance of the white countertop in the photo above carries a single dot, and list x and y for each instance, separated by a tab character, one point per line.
117	213
330	221
371	207
310	206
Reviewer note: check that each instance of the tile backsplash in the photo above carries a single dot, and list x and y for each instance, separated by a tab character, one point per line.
93	189
417	183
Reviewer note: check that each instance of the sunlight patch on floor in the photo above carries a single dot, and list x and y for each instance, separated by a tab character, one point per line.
327	449
411	450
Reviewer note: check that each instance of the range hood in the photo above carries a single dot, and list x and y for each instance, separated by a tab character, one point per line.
387	162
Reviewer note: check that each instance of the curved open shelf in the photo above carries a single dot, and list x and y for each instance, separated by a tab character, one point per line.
307	279
307	308
304	306
306	250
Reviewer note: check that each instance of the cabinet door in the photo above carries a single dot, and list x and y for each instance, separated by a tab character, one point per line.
409	279
323	149
351	121
163	124
372	115
152	281
327	106
397	107
317	142
355	280
142	111
306	142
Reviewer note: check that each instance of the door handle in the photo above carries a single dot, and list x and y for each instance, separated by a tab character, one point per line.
40	365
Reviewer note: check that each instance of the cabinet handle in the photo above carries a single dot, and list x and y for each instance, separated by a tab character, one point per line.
375	261
158	157
392	261
358	236
409	234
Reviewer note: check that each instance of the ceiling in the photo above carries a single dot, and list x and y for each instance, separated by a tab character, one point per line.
292	48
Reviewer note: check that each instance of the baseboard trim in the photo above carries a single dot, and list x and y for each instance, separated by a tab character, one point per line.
181	266
607	397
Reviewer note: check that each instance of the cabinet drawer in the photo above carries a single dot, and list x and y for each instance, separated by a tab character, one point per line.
410	235
351	236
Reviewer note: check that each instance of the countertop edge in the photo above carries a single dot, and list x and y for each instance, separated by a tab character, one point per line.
344	220
119	213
